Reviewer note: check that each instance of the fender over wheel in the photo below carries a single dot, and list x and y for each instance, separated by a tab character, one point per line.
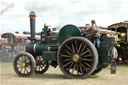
77	57
24	64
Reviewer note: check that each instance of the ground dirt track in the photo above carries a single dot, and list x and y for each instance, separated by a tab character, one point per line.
56	77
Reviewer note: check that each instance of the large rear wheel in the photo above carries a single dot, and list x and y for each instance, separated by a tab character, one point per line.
77	57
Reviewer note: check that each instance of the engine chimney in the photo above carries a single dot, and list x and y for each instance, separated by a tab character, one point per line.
32	16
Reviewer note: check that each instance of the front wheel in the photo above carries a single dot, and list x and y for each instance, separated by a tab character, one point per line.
24	64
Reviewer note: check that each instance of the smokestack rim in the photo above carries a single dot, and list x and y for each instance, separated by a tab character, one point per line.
32	14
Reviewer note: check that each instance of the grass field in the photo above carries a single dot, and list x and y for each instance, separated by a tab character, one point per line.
56	77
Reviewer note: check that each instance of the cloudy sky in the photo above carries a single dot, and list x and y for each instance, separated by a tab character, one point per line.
14	13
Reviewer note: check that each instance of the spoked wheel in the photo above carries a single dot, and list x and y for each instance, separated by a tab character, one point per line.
77	57
41	65
24	64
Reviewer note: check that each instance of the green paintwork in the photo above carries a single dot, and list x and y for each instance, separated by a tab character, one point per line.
52	40
68	31
50	55
53	48
105	51
42	47
29	48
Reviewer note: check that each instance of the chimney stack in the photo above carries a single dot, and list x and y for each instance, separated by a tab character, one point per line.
32	17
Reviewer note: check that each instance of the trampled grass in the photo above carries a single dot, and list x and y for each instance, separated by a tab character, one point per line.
56	77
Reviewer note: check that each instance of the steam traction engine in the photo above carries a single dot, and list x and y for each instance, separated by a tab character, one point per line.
122	40
76	55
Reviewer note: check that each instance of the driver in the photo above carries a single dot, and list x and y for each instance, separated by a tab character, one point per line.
94	33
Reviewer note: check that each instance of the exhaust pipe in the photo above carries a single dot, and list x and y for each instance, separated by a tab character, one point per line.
32	17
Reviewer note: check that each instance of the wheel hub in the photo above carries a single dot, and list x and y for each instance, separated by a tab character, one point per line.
23	64
76	58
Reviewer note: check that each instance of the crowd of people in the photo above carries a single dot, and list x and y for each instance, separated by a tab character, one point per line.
8	53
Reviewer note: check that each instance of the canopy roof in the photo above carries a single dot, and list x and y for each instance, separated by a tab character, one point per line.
117	25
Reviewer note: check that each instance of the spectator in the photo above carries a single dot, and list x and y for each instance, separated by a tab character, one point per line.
115	53
16	51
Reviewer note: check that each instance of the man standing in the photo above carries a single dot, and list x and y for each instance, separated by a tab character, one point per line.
94	33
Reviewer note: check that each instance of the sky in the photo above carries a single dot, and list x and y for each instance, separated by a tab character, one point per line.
14	14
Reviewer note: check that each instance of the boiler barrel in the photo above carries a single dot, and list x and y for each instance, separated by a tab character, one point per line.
37	48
